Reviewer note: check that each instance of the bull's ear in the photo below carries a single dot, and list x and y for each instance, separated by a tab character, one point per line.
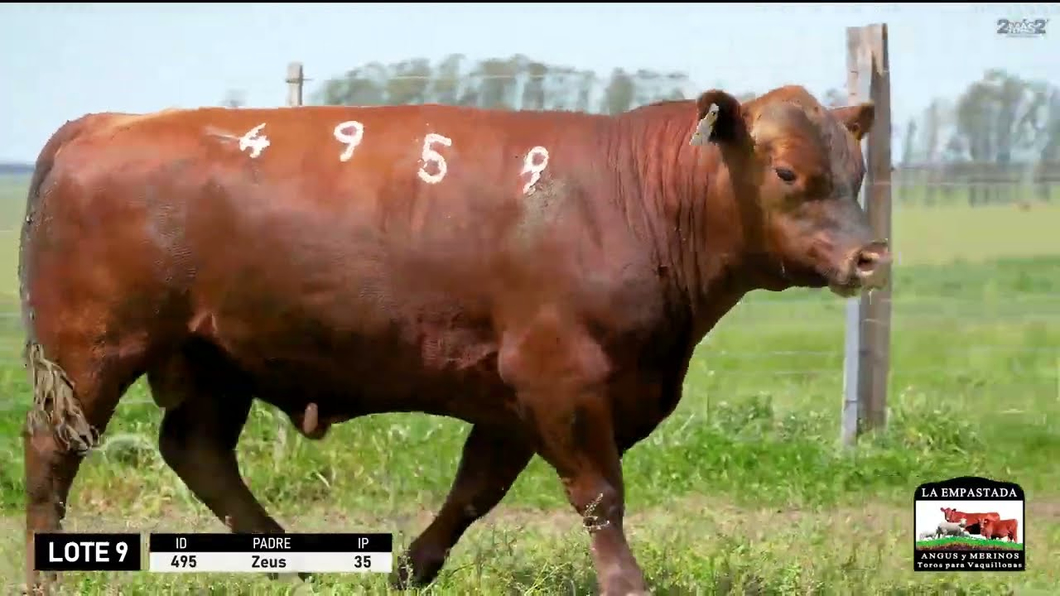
857	119
720	119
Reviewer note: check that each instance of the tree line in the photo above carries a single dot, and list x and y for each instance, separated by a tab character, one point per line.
514	83
998	137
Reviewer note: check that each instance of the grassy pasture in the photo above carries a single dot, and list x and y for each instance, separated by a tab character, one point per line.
741	491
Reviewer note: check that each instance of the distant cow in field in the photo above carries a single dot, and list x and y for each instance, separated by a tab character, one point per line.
998	529
973	519
946	528
543	276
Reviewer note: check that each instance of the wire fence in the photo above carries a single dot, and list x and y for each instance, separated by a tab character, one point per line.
1036	372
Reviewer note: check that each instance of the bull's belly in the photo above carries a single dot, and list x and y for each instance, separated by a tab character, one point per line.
292	363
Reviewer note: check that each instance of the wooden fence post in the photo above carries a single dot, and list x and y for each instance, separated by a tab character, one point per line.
295	81
868	319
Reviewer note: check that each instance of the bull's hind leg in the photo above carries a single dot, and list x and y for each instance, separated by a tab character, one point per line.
491	462
207	403
75	392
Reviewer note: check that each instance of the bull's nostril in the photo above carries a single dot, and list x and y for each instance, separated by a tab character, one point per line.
866	261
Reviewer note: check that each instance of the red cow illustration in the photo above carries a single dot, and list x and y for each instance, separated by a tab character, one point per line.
1003	528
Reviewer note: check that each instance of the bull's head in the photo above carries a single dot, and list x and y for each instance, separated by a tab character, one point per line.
949	514
796	167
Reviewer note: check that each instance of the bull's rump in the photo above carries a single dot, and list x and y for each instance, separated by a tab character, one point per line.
357	274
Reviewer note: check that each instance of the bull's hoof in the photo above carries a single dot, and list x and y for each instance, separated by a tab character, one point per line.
628	592
409	574
401	577
620	584
41	584
302	576
36	589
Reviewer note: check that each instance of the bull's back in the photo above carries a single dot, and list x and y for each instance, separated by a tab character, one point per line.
350	243
320	238
382	263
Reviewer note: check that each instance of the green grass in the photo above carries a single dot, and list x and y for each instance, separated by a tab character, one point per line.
969	541
944	234
742	490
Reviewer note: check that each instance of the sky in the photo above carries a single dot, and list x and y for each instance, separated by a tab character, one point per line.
928	514
61	61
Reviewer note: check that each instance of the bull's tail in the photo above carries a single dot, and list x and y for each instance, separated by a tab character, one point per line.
55	405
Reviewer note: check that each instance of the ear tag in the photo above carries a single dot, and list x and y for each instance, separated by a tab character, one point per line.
706	127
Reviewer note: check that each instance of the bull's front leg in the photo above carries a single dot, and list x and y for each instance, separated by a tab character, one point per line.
491	461
576	438
560	373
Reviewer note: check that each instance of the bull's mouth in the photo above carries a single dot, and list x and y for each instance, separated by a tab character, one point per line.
845	290
862	270
844	281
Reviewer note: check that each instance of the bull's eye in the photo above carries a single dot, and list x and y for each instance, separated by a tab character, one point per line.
785	174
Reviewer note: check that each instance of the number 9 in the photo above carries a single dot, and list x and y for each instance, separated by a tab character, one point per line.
430	155
344	135
534	168
122	549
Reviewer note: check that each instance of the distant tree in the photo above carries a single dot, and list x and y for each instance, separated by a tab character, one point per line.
929	150
909	143
234	98
834	98
517	82
1000	130
1047	172
997	117
619	94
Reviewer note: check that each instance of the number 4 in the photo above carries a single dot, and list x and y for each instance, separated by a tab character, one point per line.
430	155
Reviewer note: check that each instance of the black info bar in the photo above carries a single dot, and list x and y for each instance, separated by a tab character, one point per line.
243	543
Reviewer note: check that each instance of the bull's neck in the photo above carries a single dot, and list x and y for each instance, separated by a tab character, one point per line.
681	202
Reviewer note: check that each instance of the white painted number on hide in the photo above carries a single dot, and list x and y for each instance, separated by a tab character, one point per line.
430	155
536	161
350	134
252	141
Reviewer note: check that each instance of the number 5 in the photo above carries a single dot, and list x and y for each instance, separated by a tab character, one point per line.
430	155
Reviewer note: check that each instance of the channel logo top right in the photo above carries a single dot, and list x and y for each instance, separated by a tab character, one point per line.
1022	27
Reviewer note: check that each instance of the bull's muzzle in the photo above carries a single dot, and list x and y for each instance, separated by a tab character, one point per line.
865	268
870	266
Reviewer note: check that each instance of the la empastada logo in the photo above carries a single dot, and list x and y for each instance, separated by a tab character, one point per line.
969	524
